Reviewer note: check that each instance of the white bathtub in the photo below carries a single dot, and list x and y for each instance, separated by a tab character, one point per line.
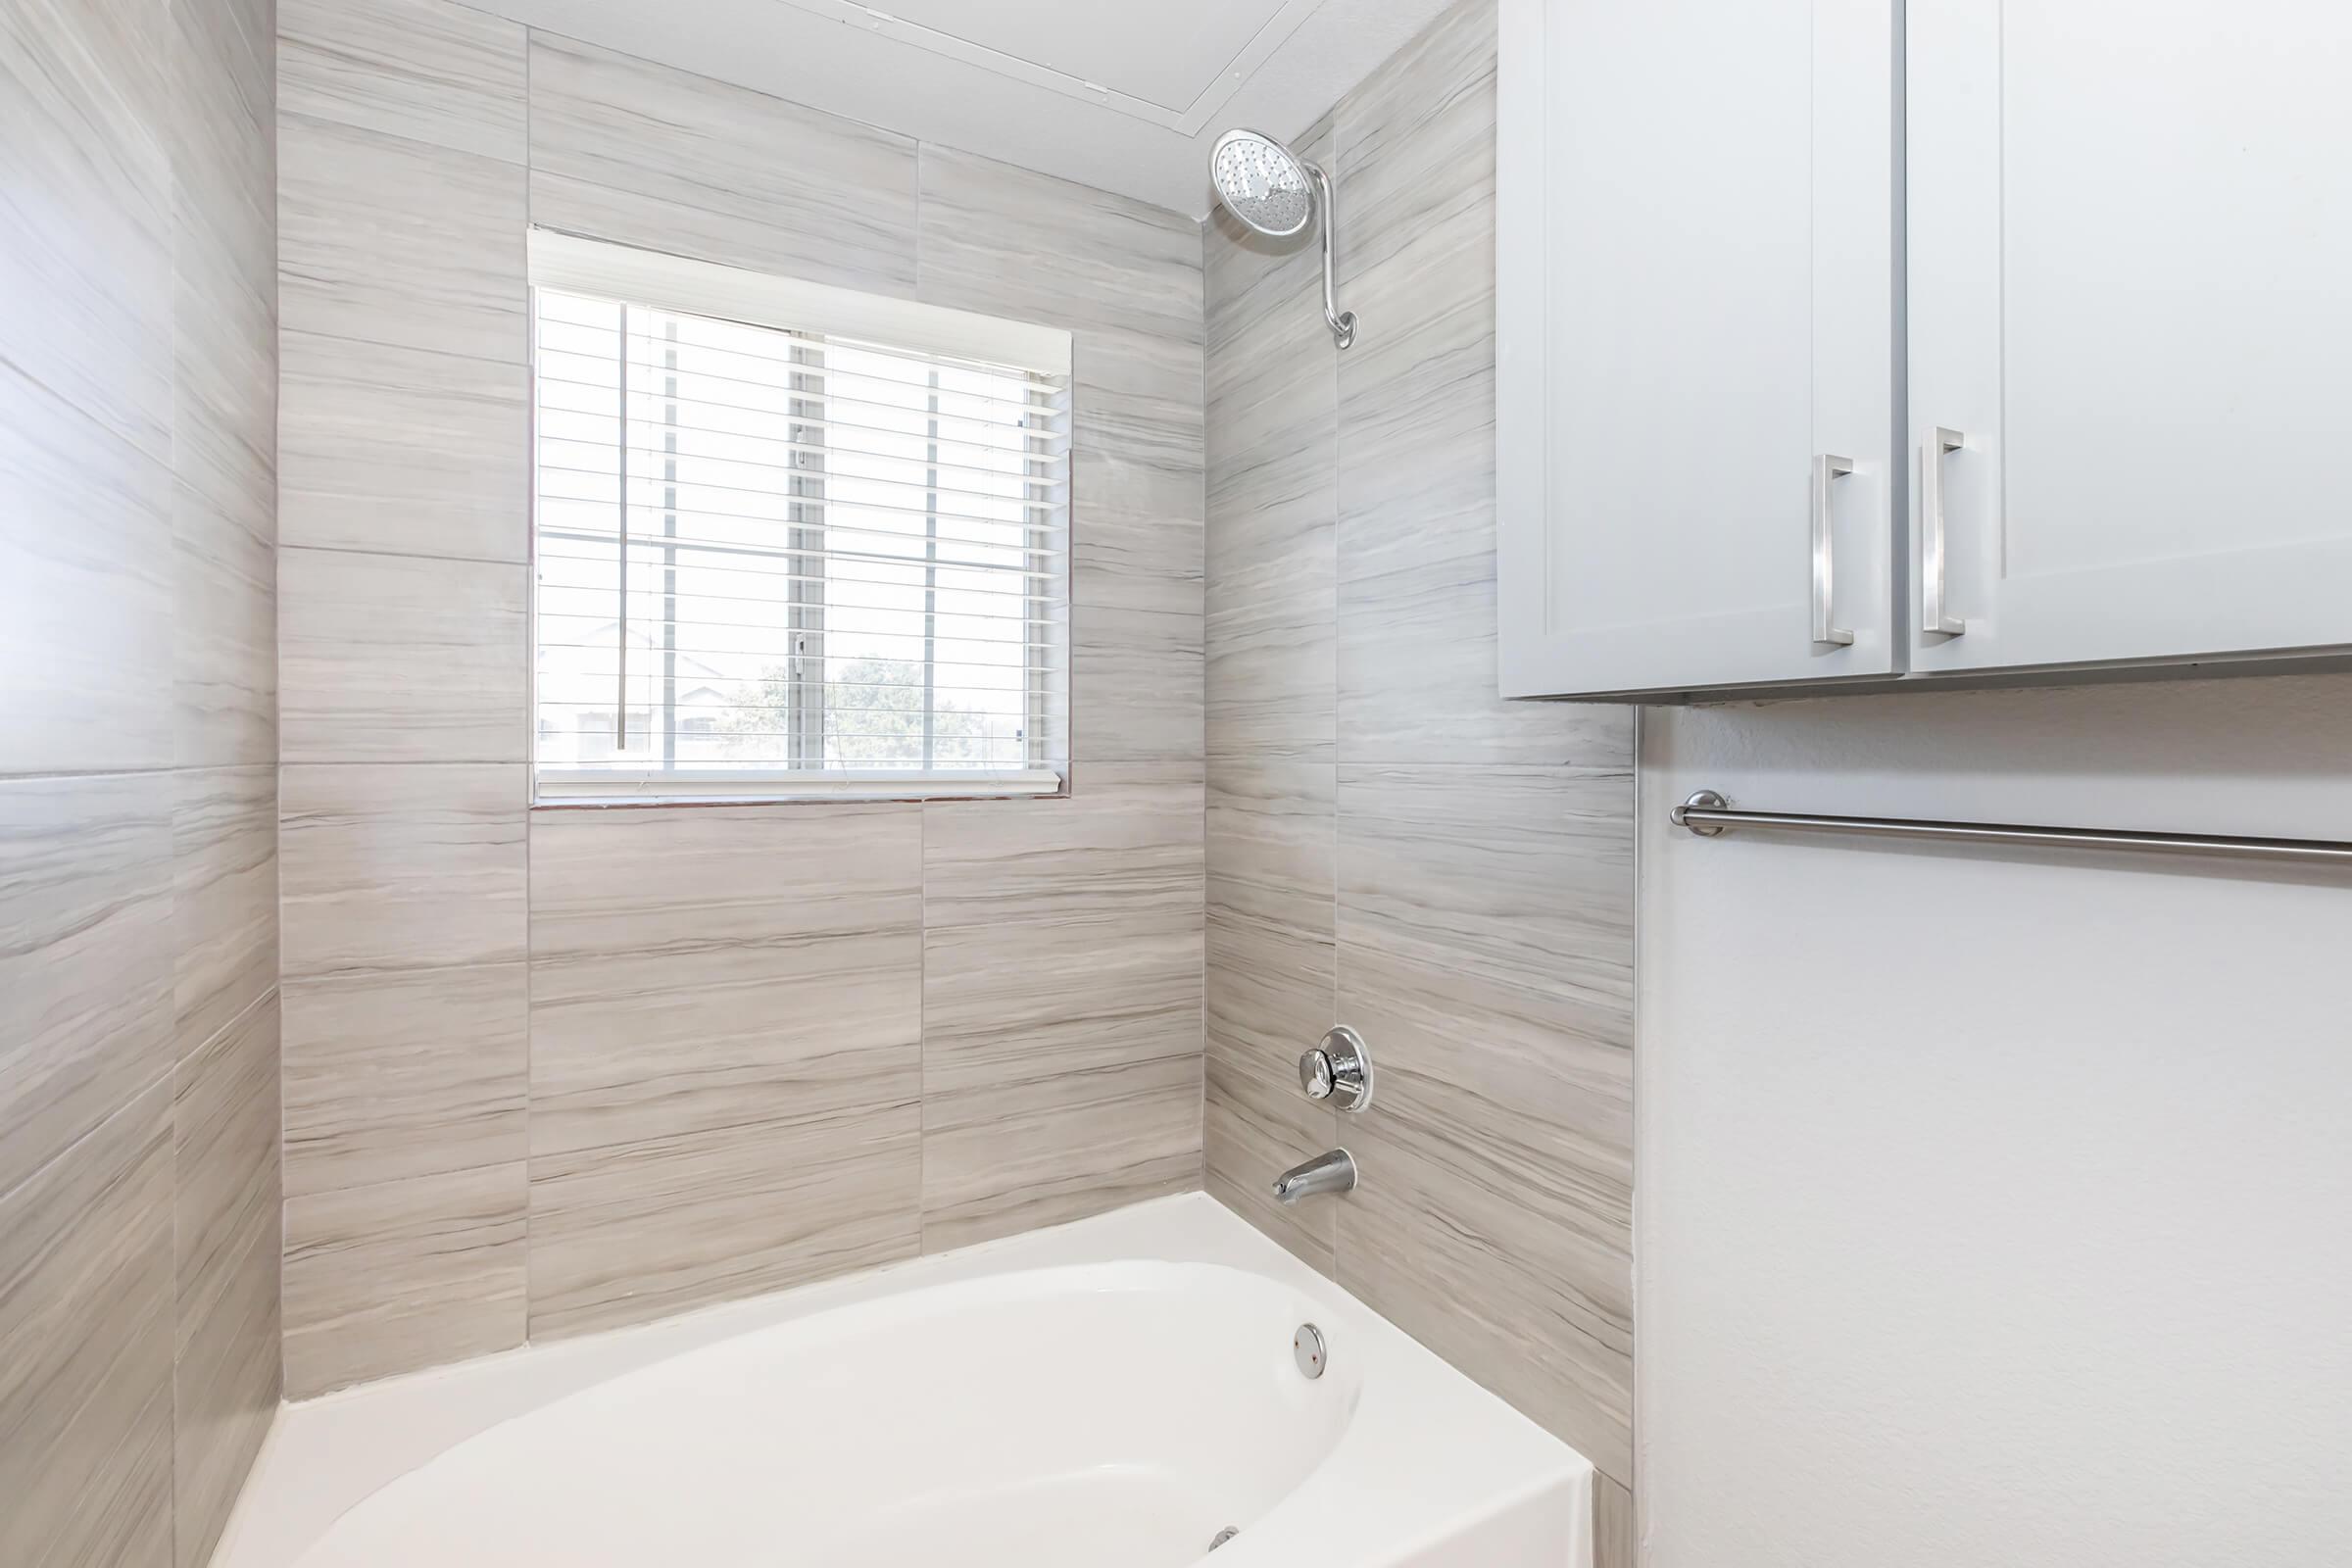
1107	1395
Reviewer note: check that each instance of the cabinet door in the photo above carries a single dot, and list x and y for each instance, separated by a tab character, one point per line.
1695	294
2131	310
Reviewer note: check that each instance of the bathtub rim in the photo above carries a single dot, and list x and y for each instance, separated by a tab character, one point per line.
381	1429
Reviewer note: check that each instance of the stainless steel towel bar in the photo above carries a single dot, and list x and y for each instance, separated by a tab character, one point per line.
1709	814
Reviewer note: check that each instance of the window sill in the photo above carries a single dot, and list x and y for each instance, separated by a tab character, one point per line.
584	790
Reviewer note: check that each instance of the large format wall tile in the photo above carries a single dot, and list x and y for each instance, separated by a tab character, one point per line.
402	659
86	1348
224	482
725	1035
652	221
696	969
1017	1155
394	241
1272	828
401	868
1421	1228
85	956
1414	155
222	143
1135	685
622	1234
419	1073
1416	665
224	896
224	626
671	1041
402	1275
1271	984
1272	638
1485	951
225	1111
427	70
1137	533
1508	890
85	564
225	1169
1138	398
137	768
1127	841
1416	446
1061	1002
83	96
1022	1002
404	451
716	171
224	390
224	1132
1009	241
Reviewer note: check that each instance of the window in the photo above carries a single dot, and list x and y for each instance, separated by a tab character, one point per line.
793	540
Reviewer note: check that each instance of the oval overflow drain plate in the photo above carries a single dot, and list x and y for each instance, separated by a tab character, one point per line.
1223	1535
1307	1347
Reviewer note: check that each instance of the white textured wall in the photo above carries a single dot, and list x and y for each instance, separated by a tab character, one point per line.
1997	1208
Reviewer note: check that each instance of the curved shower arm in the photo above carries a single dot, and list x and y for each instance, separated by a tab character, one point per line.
1343	322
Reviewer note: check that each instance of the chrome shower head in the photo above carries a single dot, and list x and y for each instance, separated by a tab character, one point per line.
1278	193
1261	182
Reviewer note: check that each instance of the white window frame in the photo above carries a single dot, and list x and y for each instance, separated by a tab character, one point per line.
577	265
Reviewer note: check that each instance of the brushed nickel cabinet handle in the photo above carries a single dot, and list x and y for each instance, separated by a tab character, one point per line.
1934	610
1828	469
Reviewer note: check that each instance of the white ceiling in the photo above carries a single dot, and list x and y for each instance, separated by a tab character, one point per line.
1121	94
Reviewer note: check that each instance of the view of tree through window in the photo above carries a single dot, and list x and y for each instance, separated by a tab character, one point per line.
766	556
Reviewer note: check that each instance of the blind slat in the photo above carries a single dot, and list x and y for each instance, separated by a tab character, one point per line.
969	430
588	399
1038	487
650	666
993	460
792	377
823	511
844	552
1043	385
1043	470
1010	640
989	587
1045	473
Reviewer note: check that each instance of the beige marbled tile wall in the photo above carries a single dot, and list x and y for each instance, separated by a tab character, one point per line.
549	1072
139	1161
1390	845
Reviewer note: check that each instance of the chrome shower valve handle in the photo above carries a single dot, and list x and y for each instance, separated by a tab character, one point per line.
1340	1069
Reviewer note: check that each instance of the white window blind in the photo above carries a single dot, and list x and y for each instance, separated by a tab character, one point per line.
793	540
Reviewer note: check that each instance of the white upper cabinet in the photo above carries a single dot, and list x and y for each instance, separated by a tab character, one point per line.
2131	298
2124	380
1695	275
